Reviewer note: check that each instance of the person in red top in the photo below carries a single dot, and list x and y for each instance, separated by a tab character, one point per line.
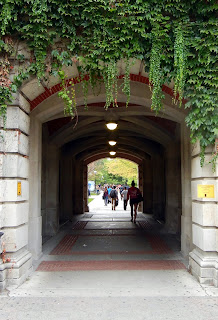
134	194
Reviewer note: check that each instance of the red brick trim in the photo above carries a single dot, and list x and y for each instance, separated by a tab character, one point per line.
54	266
56	88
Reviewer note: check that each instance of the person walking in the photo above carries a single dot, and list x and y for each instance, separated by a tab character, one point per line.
124	197
109	191
114	197
135	196
105	196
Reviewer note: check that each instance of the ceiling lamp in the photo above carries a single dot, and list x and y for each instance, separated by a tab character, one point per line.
111	125
112	142
112	153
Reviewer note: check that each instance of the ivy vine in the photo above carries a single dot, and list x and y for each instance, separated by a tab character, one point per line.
177	41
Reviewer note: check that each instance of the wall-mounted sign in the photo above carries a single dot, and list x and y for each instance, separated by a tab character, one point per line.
205	191
19	188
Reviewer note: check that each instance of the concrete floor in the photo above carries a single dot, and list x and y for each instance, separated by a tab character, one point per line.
104	267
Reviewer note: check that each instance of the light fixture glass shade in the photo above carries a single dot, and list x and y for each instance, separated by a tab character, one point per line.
111	125
112	153
112	142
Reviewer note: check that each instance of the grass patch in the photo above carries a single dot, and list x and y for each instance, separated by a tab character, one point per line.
90	200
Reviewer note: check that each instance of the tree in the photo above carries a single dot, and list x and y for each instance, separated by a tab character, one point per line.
113	171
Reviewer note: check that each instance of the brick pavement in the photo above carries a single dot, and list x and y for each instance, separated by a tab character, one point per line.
116	238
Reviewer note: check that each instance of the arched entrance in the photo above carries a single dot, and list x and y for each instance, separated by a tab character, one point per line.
60	150
156	144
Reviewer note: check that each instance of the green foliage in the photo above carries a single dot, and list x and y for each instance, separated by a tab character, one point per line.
113	171
180	62
177	40
110	81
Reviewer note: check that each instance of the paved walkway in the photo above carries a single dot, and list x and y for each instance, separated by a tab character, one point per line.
105	267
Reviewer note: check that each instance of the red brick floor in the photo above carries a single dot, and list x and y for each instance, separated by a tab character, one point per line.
79	225
53	266
66	244
100	241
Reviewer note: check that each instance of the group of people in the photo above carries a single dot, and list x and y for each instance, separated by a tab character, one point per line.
110	194
133	195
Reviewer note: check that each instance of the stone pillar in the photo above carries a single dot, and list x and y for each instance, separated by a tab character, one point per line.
186	218
147	186
140	184
204	257
173	188
85	188
14	194
158	187
78	188
35	218
66	187
51	217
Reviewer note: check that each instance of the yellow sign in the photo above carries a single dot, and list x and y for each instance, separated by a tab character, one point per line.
19	188
205	191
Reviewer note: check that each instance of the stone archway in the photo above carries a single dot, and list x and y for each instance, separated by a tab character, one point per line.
165	139
146	127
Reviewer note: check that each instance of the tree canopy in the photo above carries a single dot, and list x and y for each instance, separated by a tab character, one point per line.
113	171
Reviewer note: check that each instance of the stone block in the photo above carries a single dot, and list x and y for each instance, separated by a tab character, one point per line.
13	165
15	238
17	119
23	121
35	237
204	238
194	187
23	49
186	235
14	141
24	104
206	171
205	214
135	67
52	221
13	214
8	190
196	149
16	272
217	243
32	89
2	274
204	266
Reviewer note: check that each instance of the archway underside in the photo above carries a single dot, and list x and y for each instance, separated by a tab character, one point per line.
153	142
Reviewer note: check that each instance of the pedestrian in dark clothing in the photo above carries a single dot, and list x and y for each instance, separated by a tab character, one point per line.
135	196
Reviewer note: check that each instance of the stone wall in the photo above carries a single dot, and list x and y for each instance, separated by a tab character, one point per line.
204	257
14	194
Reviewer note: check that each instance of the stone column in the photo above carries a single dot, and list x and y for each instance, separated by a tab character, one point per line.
147	186
204	257
51	221
78	188
173	188
140	184
35	216
66	187
186	218
14	194
85	188
158	187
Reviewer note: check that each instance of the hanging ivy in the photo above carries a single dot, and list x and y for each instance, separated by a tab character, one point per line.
180	63
155	74
110	80
177	40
